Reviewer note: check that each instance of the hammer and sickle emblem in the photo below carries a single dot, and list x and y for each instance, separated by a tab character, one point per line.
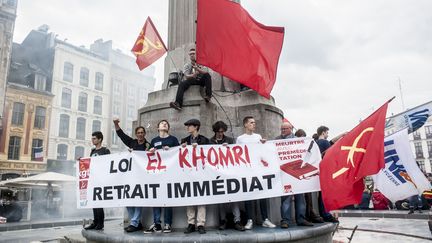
146	45
352	150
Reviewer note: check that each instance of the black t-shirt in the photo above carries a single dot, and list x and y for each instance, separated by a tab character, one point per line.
159	142
98	152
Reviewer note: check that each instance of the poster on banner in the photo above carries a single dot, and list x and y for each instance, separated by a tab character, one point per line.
207	174
401	177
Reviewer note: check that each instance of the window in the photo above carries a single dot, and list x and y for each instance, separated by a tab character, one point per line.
40	114
416	135
131	91
116	108
428	130
64	126
418	150
66	98
37	145
18	114
97	106
14	148
117	87
82	102
421	165
84	77
62	150
68	72
114	137
429	146
99	81
40	82
79	152
131	111
80	128
96	126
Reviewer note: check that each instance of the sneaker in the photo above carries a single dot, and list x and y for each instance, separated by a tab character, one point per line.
238	226
90	227
167	228
411	211
317	219
153	228
132	228
175	105
268	224
249	224
190	229
201	229
305	223
99	227
284	225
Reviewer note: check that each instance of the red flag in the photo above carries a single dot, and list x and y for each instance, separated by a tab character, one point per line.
358	154
149	45
231	42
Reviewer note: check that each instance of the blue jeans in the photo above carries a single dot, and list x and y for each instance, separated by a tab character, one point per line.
300	208
322	211
415	202
167	215
134	215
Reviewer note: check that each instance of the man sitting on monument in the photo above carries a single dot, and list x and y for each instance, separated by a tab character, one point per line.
194	74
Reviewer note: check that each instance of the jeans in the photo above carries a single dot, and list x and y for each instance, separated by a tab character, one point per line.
167	215
134	215
415	202
203	80
322	211
250	211
300	208
230	206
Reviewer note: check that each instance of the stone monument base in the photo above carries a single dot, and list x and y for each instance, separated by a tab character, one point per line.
318	233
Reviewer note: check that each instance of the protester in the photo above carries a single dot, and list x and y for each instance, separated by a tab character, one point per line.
219	129
286	201
163	141
98	213
194	74
380	202
195	213
140	143
323	145
415	202
249	136
310	214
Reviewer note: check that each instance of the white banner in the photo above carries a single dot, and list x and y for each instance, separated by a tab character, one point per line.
401	176
207	174
412	119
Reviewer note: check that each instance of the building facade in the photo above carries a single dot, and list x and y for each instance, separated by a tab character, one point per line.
421	143
129	90
27	114
7	23
81	84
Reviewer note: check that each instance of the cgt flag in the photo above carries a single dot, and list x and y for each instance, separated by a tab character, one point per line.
231	42
149	46
358	154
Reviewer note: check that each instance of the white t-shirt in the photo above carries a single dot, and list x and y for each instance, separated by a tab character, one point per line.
246	138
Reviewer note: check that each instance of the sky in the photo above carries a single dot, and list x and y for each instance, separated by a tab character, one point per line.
341	60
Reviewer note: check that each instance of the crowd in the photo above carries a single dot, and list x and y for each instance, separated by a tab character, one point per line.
196	215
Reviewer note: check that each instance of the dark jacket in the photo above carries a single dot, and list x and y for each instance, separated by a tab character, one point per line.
200	140
226	139
133	143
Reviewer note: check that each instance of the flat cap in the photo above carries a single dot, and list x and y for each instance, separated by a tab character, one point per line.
193	122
